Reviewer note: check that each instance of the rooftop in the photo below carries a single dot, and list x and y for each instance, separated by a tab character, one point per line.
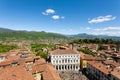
64	51
100	67
50	73
15	73
116	72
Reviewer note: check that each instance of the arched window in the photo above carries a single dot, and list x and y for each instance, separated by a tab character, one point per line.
65	60
56	67
59	61
56	61
68	60
74	60
62	61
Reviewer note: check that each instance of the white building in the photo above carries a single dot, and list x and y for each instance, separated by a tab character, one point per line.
65	60
2	58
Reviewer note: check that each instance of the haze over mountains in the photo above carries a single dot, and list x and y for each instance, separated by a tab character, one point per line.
33	35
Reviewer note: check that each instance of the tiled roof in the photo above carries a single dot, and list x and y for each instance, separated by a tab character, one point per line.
5	63
38	68
15	73
100	67
50	73
63	51
24	71
116	73
90	57
112	63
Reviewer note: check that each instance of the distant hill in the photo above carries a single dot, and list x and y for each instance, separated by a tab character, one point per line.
7	34
84	35
5	30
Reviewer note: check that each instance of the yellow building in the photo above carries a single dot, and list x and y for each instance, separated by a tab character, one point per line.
37	76
84	58
83	63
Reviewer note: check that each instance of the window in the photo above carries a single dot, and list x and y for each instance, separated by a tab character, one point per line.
68	60
74	60
59	61
53	61
65	60
56	61
62	61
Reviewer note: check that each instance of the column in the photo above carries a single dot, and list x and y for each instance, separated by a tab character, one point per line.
70	67
61	67
64	68
67	67
58	67
75	67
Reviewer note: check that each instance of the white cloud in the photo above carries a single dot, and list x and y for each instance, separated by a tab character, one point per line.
48	11
102	19
112	28
52	12
55	17
110	31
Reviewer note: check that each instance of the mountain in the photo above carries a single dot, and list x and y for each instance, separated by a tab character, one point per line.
84	35
7	34
5	30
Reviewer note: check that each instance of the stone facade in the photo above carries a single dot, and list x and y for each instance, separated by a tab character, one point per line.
66	61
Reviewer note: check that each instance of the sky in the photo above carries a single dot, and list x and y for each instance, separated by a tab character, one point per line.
98	17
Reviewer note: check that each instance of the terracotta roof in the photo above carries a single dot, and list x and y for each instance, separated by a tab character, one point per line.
29	60
50	73
47	70
15	73
11	58
20	72
5	63
90	57
86	56
116	73
40	61
112	63
3	54
63	51
36	57
100	67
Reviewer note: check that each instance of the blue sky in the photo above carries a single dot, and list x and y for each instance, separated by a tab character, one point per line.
62	16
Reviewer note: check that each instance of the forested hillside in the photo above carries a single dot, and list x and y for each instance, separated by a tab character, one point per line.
6	34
